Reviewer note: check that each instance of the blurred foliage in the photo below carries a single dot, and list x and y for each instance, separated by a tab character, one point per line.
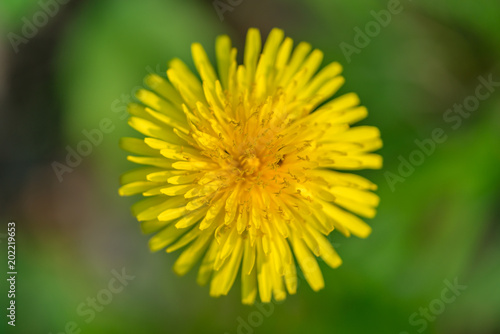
441	223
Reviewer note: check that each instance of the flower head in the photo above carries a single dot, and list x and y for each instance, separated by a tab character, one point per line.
242	169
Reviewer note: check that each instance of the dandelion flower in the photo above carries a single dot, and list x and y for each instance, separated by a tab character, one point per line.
243	165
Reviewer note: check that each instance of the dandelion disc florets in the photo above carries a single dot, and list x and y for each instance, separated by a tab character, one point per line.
243	168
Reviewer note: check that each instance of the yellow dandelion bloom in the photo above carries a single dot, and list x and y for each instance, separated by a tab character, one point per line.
242	165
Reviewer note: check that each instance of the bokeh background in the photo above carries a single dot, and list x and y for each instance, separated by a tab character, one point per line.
441	224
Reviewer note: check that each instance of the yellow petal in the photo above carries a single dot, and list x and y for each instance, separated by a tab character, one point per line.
164	88
224	58
248	287
207	265
308	264
224	278
136	188
192	254
263	274
354	224
137	146
165	237
251	56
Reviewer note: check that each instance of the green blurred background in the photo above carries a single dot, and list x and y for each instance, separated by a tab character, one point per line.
441	224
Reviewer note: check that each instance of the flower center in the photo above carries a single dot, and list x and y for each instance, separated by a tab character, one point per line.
250	164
